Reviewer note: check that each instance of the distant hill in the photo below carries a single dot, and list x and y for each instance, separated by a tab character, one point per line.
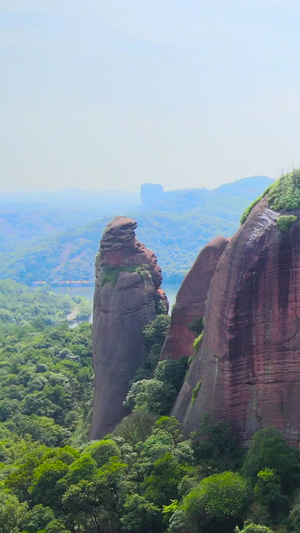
28	216
38	242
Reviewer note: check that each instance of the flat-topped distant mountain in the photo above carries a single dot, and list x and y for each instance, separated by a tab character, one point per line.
55	236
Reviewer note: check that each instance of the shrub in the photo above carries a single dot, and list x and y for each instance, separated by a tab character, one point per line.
197	325
268	449
253	528
196	390
136	427
217	503
284	222
247	211
197	343
151	395
111	274
285	193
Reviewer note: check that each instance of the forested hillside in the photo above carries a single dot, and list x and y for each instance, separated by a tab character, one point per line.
174	224
142	478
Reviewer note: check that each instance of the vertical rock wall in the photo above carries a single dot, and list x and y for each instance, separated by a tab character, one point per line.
191	300
127	291
247	370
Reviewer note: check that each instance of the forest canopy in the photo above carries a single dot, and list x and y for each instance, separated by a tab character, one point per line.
145	476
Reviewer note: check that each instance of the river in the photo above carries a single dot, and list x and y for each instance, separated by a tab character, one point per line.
88	292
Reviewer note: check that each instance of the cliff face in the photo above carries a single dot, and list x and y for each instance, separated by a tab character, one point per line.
191	299
247	370
127	294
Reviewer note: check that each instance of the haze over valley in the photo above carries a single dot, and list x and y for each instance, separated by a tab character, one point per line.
54	237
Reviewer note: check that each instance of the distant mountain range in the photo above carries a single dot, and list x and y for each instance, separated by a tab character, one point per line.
55	236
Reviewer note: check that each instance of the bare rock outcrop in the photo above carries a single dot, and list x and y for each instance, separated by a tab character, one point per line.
247	370
191	300
127	294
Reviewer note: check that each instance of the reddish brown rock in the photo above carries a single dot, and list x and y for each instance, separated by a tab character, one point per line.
191	299
127	292
247	370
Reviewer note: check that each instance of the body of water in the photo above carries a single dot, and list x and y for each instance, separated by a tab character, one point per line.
171	290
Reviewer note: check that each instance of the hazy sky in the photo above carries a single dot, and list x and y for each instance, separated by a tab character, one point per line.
104	94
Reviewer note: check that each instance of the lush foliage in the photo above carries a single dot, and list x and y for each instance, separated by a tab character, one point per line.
197	342
145	477
196	390
197	325
156	385
45	367
217	503
284	222
248	210
253	528
111	274
21	308
285	193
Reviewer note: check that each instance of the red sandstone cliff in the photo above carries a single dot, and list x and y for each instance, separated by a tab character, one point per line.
127	290
247	370
191	299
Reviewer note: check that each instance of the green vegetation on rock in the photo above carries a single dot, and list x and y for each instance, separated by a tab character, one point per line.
157	383
247	211
197	325
111	274
284	222
195	391
285	193
197	342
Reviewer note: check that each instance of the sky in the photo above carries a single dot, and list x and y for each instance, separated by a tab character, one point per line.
109	94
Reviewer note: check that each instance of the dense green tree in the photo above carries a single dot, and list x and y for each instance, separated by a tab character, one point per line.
151	395
161	486
12	513
254	528
217	504
38	518
101	451
85	467
143	477
267	492
140	515
216	447
45	488
136	427
268	450
155	332
56	526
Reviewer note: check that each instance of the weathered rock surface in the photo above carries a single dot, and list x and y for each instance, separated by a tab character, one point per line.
247	370
127	291
191	299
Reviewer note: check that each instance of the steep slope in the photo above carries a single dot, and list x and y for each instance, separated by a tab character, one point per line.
190	301
247	370
127	296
